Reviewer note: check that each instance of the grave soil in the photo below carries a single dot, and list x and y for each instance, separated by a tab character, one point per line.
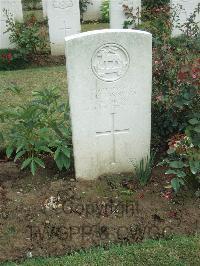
53	214
47	60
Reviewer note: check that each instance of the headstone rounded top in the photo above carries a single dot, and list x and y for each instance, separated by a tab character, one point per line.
105	31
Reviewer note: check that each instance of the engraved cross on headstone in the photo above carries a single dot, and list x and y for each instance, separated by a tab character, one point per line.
66	28
113	132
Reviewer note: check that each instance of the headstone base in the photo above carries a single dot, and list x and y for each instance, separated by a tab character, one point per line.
57	49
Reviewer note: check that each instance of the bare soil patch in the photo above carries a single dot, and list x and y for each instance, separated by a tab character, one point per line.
53	214
46	60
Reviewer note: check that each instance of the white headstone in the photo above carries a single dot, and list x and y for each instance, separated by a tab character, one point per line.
93	11
184	9
64	20
117	16
14	7
44	7
109	84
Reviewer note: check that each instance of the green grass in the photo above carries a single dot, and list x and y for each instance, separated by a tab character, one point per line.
32	79
94	26
177	252
29	80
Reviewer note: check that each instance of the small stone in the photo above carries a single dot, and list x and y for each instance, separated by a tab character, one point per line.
29	254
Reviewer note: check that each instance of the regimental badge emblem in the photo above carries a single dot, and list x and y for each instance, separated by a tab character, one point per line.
62	4
110	62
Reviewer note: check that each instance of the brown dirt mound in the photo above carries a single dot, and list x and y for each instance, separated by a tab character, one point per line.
53	214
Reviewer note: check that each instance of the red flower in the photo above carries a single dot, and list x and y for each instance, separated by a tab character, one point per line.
196	69
182	75
9	56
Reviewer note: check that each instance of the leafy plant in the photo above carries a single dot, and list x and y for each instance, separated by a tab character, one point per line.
31	4
132	15
143	169
193	129
190	27
28	36
39	128
184	155
175	74
11	59
176	95
105	17
155	3
83	4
